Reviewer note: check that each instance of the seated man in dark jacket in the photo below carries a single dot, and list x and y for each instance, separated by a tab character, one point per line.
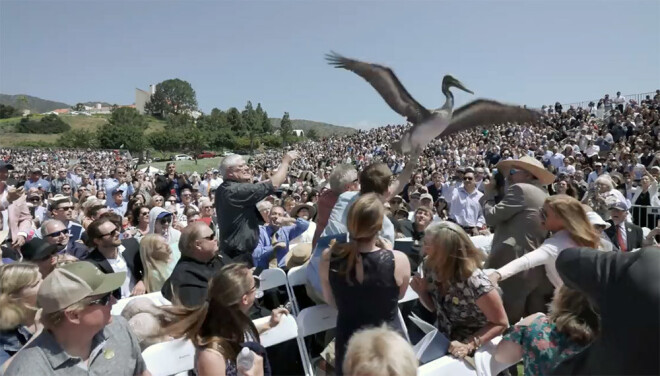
199	261
625	287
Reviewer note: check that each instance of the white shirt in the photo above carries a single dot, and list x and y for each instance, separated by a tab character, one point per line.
465	208
119	265
546	255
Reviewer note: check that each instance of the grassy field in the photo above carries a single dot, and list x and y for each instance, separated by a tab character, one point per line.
9	138
189	166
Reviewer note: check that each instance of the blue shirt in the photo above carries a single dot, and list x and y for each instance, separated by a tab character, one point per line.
11	341
312	270
110	184
41	183
119	209
338	221
264	251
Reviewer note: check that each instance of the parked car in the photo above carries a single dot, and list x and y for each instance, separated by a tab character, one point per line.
206	154
227	153
182	157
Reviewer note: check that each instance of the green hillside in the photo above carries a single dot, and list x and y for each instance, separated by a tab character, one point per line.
323	129
34	104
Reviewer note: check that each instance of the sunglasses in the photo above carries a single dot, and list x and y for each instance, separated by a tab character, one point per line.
65	208
58	233
165	221
468	179
111	233
513	171
210	237
144	213
102	301
172	201
35	199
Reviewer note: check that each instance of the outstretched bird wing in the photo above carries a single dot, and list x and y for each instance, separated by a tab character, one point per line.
483	112
386	84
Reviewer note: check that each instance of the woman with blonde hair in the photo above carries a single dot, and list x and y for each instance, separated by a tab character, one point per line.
364	278
220	326
19	283
544	341
468	307
567	220
156	258
379	351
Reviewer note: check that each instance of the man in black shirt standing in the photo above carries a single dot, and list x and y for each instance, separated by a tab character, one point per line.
235	201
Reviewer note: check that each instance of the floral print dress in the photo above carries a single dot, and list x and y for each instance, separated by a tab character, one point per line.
543	346
458	315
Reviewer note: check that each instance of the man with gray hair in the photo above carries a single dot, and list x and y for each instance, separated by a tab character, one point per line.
235	201
344	178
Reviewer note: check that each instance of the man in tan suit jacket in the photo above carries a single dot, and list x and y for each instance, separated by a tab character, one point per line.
518	230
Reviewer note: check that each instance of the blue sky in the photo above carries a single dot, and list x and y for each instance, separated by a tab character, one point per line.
530	52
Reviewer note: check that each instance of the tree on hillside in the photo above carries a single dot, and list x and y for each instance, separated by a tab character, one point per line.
78	107
266	126
312	134
252	124
235	122
128	116
173	96
286	129
7	112
180	122
126	136
78	138
48	124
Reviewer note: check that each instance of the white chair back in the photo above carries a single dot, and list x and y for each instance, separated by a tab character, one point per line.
170	358
155	297
410	295
296	277
316	319
310	321
272	278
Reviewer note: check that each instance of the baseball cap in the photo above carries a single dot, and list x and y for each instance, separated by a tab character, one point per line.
618	205
37	249
68	284
117	190
427	196
163	214
417	194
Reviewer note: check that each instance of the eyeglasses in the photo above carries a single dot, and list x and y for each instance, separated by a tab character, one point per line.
257	284
144	213
111	233
58	233
65	208
172	201
210	237
66	188
35	199
102	301
468	178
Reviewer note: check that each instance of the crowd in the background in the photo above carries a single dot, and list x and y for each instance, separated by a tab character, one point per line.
367	224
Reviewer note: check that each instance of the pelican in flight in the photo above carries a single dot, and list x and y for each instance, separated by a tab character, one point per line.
429	124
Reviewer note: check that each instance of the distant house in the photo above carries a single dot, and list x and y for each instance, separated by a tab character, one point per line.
297	132
59	111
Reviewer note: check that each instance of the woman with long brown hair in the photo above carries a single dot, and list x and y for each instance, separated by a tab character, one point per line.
220	326
467	305
364	278
544	341
567	220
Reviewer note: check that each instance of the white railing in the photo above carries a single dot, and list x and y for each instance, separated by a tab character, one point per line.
585	104
645	216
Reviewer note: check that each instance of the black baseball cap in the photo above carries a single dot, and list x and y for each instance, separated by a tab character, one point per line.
37	250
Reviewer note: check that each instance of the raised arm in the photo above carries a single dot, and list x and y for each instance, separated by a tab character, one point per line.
512	203
279	176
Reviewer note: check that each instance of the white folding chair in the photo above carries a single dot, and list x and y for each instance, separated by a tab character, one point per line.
155	297
272	278
287	329
297	276
170	358
310	321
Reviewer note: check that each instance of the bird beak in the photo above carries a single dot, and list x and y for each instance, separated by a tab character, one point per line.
460	85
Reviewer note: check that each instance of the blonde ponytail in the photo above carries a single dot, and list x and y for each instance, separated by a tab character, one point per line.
13	279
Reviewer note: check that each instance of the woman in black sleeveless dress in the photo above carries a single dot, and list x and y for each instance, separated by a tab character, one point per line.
364	279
